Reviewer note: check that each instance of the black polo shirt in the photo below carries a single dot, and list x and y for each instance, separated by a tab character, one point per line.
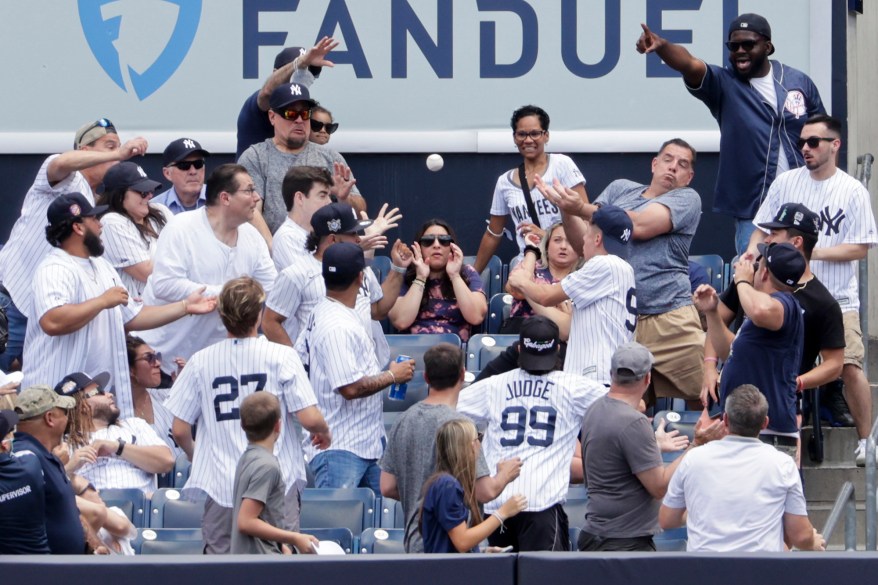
22	507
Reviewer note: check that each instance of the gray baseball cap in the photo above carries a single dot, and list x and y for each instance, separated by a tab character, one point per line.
40	399
630	362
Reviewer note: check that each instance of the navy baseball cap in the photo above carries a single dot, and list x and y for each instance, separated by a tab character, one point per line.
77	381
69	206
752	22
129	175
180	149
288	94
784	262
289	55
630	362
8	420
342	262
337	218
795	215
617	228
538	344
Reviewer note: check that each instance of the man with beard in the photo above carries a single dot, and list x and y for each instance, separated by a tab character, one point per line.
128	452
760	106
80	313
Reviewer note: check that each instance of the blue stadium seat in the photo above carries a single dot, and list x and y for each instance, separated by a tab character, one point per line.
354	509
715	267
577	498
168	541
672	540
414	346
132	501
483	348
181	471
380	266
392	515
168	509
574	537
685	423
382	541
498	311
340	536
492	275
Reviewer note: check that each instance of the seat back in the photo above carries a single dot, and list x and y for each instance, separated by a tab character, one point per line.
169	510
168	541
352	508
483	348
392	515
714	265
492	275
132	501
415	346
380	541
182	467
498	311
340	536
683	421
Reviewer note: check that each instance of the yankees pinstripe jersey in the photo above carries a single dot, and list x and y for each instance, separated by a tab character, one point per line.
98	346
338	351
209	391
845	218
162	419
113	472
124	246
288	244
536	418
27	243
604	315
188	257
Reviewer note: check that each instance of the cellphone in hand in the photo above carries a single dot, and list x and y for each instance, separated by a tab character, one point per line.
714	410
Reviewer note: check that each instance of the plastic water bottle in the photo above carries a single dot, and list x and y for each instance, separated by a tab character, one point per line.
397	391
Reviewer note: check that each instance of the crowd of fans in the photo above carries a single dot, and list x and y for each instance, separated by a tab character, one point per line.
252	291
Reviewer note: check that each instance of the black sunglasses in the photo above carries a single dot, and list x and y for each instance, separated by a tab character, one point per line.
318	126
185	165
733	46
812	141
444	240
150	358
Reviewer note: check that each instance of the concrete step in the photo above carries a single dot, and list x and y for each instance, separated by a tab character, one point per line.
819	513
839	444
822	484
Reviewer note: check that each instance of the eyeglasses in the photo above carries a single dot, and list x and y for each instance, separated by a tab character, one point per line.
151	358
93	392
249	191
812	141
330	127
521	135
293	115
143	194
444	240
733	46
185	165
756	264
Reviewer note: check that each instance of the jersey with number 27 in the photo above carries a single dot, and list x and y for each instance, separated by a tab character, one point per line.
209	391
536	418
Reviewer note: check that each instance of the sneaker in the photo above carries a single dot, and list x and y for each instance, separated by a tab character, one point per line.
860	455
836	410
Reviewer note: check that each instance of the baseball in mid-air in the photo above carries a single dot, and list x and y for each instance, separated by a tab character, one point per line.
435	162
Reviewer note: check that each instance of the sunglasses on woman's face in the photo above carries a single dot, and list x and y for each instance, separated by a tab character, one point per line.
444	240
317	126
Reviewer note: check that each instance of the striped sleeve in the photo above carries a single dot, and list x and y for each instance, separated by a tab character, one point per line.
124	244
184	401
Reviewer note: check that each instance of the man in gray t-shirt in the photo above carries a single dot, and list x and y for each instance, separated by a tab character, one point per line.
665	214
268	161
410	455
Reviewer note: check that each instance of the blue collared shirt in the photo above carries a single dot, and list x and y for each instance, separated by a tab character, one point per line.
170	200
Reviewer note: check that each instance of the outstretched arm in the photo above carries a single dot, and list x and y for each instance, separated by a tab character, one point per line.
675	56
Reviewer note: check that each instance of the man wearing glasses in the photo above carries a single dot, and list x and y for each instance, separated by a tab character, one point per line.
96	148
758	128
43	418
183	166
268	161
847	231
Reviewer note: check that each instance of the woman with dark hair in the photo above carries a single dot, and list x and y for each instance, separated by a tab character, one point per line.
144	364
450	519
440	294
131	226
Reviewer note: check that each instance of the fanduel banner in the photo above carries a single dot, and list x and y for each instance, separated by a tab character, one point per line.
410	75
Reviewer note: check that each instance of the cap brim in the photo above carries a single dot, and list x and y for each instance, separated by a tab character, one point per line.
65	402
529	361
361	225
102	380
763	248
146	186
171	161
773	225
310	102
96	210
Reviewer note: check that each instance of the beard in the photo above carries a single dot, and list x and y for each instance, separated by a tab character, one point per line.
93	244
106	412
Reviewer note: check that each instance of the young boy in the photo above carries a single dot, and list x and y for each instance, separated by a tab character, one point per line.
259	487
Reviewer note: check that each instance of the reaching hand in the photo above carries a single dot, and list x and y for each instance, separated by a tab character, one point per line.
649	41
513	506
669	442
705	298
134	147
343	181
400	254
715	430
530	232
509	469
422	269
198	304
385	220
373	242
708	383
316	55
567	200
455	261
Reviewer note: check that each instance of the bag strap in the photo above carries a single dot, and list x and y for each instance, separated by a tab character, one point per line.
522	178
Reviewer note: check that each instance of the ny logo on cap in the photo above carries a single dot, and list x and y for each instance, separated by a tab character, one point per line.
295	89
333	225
744	25
141	171
188	143
626	235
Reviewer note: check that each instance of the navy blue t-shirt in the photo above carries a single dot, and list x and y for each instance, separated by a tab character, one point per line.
770	361
22	506
253	125
444	509
62	516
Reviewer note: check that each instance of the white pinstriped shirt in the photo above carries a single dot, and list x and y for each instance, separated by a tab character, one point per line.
124	247
288	244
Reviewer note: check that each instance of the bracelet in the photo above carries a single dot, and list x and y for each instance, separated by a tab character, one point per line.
392	377
500	235
501	520
121	447
396	268
710	359
737	282
800	384
419	281
534	249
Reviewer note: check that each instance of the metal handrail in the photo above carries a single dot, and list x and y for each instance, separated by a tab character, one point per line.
845	504
864	175
871	500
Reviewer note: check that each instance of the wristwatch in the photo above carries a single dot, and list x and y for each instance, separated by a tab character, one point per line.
121	447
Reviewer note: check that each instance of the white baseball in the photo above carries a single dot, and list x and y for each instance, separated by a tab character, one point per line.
435	162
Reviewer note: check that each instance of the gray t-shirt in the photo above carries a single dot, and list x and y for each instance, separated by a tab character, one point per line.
258	477
617	443
411	457
267	167
661	264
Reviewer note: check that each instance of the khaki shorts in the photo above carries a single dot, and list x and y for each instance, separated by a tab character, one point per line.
854	351
676	340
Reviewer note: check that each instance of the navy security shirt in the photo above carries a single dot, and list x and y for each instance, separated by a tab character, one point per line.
253	125
22	506
63	528
752	129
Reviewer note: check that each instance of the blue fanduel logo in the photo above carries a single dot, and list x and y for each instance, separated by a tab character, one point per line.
102	34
